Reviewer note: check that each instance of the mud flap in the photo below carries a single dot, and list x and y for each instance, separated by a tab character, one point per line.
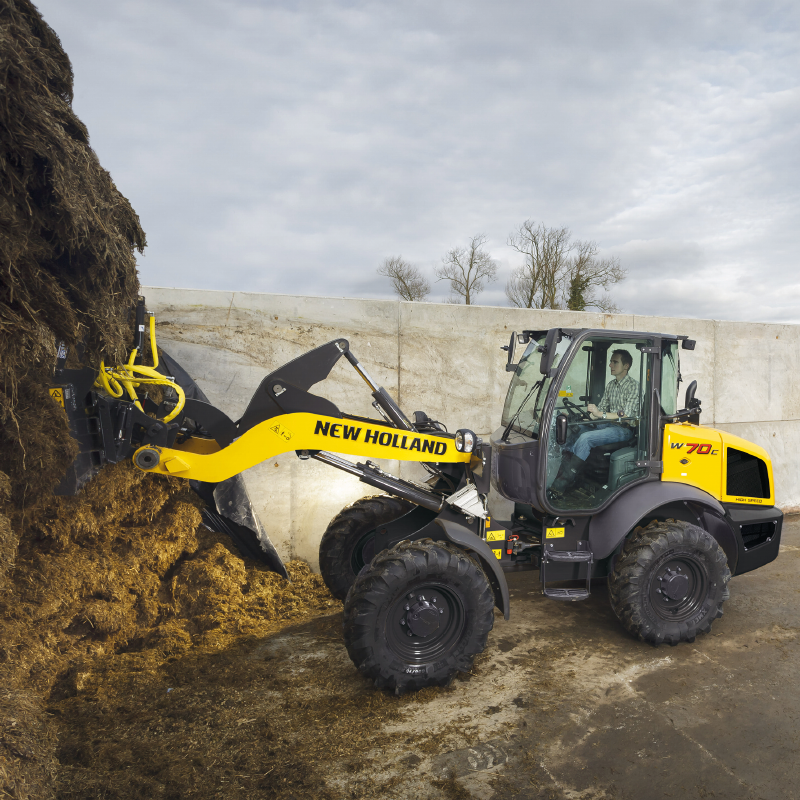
465	538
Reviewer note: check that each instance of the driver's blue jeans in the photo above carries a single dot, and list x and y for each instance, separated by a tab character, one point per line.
605	433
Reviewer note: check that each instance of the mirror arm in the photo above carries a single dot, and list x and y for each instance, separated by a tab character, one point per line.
510	348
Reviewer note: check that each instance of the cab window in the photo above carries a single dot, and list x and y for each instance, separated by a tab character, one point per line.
670	375
603	394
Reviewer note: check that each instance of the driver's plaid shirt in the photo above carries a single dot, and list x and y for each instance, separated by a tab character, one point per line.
621	396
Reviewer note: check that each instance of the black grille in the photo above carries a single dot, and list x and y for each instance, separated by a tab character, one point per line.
757	533
747	475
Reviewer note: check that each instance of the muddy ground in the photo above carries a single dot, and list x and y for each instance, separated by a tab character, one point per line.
562	704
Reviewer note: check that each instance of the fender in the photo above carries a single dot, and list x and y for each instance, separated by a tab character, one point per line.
466	540
610	527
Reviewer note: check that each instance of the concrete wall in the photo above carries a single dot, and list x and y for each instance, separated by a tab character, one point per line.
446	360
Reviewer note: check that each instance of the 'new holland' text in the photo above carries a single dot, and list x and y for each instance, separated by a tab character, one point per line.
381	437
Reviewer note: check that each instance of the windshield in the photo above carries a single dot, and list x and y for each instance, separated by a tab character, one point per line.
528	388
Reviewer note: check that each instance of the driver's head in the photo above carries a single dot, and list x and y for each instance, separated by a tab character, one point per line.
620	363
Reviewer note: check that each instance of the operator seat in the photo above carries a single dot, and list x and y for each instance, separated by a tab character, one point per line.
606	462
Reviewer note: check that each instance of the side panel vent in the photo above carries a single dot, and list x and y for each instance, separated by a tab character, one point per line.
757	533
747	475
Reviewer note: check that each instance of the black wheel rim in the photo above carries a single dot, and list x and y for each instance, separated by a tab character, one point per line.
363	552
417	641
678	587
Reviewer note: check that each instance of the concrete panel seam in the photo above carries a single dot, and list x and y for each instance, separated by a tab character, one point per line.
399	362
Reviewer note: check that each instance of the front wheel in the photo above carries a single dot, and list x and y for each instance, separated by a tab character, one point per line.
669	582
420	613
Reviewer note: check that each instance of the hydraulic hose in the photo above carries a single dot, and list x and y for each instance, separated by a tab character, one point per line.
128	377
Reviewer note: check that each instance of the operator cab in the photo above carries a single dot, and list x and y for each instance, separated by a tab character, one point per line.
563	386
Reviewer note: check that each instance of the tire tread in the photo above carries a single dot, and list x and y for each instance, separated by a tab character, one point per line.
390	573
629	579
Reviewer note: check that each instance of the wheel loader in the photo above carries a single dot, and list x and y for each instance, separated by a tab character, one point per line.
642	495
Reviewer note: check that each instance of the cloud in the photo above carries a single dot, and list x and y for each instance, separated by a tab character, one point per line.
292	147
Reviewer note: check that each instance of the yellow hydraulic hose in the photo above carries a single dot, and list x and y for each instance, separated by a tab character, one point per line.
107	382
153	347
127	377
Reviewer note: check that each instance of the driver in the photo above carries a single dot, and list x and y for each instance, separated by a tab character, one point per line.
620	403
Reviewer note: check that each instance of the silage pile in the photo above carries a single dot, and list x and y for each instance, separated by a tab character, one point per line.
125	567
67	241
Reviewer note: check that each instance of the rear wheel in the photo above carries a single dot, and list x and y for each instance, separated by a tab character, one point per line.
348	543
669	582
418	615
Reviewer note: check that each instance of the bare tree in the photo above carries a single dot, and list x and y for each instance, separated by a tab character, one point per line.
407	281
558	272
586	274
468	269
537	282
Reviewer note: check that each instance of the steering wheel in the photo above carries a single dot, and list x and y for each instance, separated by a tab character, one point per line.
575	412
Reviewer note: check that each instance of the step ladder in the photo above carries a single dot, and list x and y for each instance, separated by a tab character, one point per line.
583	555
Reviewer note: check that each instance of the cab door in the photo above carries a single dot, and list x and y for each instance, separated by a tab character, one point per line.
589	460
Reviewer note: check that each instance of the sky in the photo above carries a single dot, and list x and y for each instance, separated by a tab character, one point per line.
292	147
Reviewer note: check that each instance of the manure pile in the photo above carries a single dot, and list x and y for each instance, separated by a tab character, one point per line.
121	579
67	241
123	576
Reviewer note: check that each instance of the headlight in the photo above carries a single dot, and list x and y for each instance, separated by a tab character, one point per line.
465	440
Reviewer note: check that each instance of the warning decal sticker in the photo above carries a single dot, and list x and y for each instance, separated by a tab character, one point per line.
282	431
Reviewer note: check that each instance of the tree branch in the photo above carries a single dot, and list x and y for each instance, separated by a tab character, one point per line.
468	269
407	281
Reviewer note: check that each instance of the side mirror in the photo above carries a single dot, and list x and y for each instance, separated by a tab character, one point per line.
692	404
691	412
561	428
549	350
688	344
690	399
511	347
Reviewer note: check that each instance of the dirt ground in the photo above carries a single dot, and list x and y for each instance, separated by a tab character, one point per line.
563	704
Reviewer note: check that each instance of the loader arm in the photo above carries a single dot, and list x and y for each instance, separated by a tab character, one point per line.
282	416
190	438
202	458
